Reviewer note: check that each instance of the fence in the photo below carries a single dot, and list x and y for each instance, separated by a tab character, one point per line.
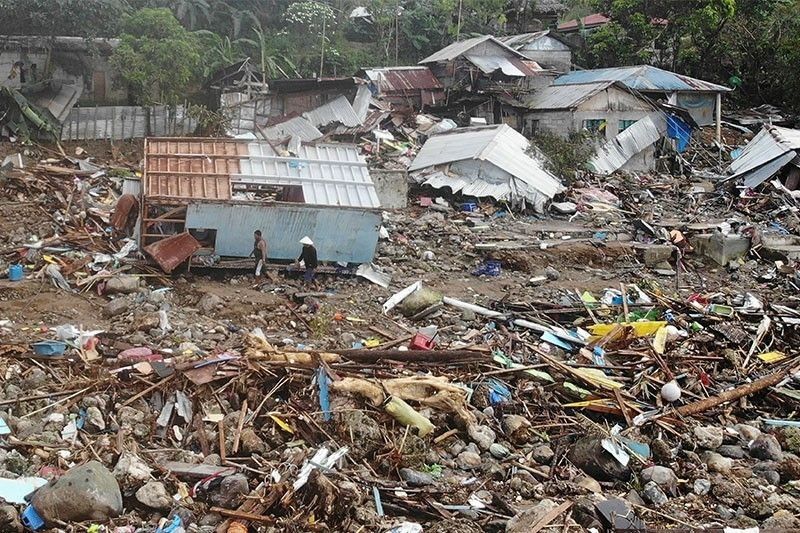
126	122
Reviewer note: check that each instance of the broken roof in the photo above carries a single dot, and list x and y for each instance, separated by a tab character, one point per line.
645	78
522	40
332	174
589	21
769	151
615	153
568	96
402	79
522	176
459	48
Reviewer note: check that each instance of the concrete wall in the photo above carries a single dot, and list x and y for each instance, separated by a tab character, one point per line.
612	105
391	186
89	70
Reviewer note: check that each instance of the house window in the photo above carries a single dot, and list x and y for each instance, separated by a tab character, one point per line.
595	125
533	127
625	124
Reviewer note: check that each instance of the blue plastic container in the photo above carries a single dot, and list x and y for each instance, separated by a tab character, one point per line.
31	518
49	348
16	272
469	207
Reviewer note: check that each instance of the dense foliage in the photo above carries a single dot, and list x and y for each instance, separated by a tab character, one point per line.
753	45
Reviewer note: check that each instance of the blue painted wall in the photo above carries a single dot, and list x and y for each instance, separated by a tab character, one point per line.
339	234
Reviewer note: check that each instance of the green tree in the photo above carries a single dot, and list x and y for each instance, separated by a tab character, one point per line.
85	18
158	59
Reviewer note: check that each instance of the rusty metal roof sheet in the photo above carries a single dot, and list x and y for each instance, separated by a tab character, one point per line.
402	79
173	250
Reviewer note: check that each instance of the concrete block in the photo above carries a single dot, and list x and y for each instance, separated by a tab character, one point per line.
653	254
723	249
391	187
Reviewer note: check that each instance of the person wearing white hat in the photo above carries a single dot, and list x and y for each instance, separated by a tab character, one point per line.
308	257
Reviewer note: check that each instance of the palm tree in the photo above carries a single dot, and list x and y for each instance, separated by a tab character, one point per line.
269	61
189	12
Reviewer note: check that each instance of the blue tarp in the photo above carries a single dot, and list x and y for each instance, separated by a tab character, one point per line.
680	131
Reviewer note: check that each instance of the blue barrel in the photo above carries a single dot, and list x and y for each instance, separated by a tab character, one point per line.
16	272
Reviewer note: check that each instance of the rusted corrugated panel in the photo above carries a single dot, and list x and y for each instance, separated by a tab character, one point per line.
187	168
403	79
172	251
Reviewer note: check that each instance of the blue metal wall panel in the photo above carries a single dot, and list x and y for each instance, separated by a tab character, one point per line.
349	235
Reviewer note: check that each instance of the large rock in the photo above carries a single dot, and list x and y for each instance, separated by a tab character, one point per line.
209	302
766	447
231	491
663	477
708	437
717	463
416	478
517	428
653	494
153	494
483	436
468	460
589	455
87	492
781	520
9	519
122	284
116	307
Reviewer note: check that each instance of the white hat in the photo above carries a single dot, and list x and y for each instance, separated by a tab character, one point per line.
307	240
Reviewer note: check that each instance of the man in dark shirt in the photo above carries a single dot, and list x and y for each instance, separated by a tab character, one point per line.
259	251
309	257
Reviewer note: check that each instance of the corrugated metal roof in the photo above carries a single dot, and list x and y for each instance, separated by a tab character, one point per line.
501	146
450	52
642	78
401	79
771	144
59	100
565	96
294	127
540	40
615	153
338	111
329	173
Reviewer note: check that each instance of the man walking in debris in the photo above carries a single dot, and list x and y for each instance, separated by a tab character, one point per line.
309	257
259	251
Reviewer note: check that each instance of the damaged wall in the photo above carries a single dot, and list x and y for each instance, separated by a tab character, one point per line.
71	60
391	186
618	108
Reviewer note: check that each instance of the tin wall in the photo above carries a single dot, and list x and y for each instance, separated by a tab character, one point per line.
339	234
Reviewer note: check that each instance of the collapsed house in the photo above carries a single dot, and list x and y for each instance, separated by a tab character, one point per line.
702	99
414	87
477	63
772	152
205	197
486	162
285	108
605	108
546	48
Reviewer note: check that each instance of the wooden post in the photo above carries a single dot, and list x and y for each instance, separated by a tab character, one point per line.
719	120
